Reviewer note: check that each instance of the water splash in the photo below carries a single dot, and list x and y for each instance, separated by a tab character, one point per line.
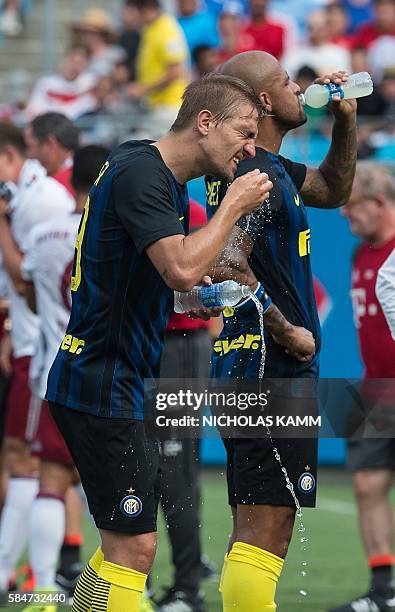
299	513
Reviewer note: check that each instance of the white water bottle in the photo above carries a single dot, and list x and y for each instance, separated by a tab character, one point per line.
358	85
228	293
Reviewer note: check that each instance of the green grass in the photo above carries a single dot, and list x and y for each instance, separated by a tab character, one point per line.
336	566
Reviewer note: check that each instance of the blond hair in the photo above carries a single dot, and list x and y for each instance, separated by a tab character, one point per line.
375	179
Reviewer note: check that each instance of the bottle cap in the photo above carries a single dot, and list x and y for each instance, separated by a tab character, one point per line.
302	99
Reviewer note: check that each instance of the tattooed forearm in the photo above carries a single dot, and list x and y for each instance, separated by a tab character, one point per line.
330	185
276	323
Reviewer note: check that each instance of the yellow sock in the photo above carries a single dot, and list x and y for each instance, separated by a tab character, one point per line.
84	590
221	580
250	581
118	589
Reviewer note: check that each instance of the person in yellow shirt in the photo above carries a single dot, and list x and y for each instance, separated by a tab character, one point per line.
161	67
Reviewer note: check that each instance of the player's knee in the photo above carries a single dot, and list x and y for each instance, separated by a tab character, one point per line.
17	458
132	551
270	530
368	486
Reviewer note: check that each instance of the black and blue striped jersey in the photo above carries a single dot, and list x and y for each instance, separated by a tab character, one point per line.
120	304
280	260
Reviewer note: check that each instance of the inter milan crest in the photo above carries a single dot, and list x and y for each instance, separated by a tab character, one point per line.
306	482
131	506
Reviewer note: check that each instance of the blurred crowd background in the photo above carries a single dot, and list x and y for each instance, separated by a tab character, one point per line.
118	69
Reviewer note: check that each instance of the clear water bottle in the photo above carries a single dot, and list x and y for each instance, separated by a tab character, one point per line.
358	85
228	293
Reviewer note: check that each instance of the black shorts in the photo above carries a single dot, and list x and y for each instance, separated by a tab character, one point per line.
118	463
371	454
255	477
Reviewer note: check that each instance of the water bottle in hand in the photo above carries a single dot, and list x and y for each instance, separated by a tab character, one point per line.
357	85
228	293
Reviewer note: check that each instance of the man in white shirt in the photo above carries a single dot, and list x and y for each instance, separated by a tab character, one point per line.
385	290
37	198
69	92
47	266
317	52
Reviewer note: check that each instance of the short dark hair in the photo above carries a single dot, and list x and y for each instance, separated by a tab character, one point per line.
218	93
199	51
142	4
10	134
58	125
87	164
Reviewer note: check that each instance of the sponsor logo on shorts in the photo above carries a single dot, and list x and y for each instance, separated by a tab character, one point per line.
306	482
131	506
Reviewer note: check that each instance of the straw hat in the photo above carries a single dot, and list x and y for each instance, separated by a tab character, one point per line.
95	20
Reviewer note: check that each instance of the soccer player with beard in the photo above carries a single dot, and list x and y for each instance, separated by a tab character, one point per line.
275	252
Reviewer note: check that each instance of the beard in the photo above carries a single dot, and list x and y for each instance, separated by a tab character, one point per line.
290	122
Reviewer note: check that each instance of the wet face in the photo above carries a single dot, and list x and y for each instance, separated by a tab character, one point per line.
286	104
364	214
227	143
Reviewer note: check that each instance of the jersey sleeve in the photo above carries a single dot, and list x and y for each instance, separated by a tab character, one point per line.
28	264
385	291
296	171
173	46
143	201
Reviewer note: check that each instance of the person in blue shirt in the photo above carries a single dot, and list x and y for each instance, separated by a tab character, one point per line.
199	25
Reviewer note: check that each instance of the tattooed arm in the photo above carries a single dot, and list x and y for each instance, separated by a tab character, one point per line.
330	185
233	264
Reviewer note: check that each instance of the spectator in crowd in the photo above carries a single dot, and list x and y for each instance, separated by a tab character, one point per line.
52	139
161	68
129	37
296	11
387	92
305	77
268	35
233	38
205	60
68	92
199	26
11	19
318	52
338	23
382	25
359	12
95	31
380	56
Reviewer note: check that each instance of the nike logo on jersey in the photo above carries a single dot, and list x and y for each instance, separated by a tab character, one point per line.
297	201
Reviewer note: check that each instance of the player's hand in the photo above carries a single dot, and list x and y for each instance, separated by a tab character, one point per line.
298	342
6	354
204	313
247	192
341	109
